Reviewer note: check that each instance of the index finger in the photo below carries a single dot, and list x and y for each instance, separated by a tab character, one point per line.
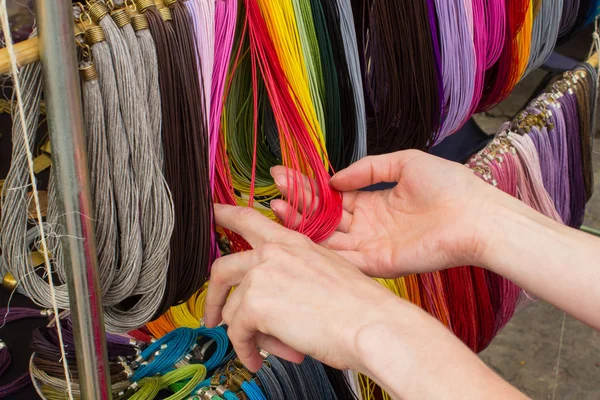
254	227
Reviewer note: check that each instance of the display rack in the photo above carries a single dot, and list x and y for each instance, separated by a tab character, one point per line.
56	49
62	93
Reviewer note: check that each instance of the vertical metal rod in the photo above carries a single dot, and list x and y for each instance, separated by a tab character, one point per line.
69	165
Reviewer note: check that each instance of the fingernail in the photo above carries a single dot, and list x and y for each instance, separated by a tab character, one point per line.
271	171
273	205
281	180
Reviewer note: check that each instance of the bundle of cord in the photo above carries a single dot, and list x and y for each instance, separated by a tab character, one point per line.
545	32
188	315
542	158
273	114
504	75
185	140
142	199
404	100
132	205
7	316
46	370
276	380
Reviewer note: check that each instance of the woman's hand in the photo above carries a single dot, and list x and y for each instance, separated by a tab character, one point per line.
435	217
293	297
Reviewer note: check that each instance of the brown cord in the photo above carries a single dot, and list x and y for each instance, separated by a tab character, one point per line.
185	137
401	80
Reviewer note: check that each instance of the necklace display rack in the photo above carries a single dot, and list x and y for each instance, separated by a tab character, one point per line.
55	47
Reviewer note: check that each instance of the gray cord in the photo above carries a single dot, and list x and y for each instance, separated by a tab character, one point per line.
105	212
148	49
544	33
353	60
14	198
270	384
125	190
283	378
316	374
156	207
15	237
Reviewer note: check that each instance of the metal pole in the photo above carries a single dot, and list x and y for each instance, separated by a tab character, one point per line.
69	165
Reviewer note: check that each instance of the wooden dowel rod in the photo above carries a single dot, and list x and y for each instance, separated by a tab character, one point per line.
27	52
593	60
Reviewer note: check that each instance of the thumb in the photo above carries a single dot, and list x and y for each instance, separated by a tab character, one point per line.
372	170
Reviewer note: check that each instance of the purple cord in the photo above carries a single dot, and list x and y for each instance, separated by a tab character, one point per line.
437	56
17	313
4	358
576	183
569	17
558	140
458	64
16	385
547	163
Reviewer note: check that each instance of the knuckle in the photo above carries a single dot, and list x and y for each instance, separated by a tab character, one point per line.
216	272
242	213
255	276
269	250
227	314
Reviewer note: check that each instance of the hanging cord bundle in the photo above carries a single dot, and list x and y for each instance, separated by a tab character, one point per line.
481	46
501	79
44	366
568	18
458	64
15	199
155	208
7	316
101	186
185	141
404	99
339	135
273	50
139	23
347	32
26	131
125	190
544	33
495	22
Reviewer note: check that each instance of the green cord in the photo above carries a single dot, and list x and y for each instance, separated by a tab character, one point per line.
591	231
194	372
149	388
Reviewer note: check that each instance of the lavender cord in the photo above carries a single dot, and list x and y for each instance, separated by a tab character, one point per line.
569	17
558	141
568	104
458	64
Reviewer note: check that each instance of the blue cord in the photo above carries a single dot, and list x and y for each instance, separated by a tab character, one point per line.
229	395
253	391
219	335
167	351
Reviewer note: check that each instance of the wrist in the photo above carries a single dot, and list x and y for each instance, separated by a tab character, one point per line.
501	215
513	229
413	356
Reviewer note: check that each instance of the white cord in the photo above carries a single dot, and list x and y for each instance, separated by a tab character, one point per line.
17	89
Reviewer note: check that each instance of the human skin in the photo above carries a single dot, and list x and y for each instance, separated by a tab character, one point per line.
295	297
